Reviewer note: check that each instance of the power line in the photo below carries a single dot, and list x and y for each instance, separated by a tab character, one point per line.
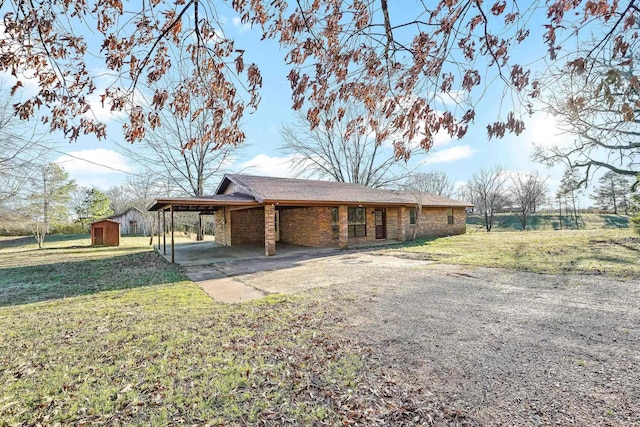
84	160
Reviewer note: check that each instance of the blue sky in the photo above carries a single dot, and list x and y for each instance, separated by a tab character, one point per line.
98	163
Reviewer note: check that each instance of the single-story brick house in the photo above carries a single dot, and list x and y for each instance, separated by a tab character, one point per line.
255	209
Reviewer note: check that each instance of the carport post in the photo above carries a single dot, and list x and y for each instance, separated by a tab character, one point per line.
158	230
173	251
164	231
269	230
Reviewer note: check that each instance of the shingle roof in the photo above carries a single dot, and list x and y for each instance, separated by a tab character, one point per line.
204	203
268	189
233	197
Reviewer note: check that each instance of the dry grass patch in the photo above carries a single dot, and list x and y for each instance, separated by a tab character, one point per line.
613	252
119	337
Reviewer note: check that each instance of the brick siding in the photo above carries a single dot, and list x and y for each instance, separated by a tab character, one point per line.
308	227
433	222
247	226
222	229
312	226
269	230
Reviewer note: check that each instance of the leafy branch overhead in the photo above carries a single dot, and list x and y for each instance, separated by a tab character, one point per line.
407	66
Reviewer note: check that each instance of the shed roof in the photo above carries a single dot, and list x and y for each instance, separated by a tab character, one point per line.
204	203
105	220
129	209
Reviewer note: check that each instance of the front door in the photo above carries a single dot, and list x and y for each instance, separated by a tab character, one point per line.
277	226
381	231
97	236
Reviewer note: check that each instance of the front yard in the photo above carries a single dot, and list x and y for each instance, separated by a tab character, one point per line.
385	337
117	335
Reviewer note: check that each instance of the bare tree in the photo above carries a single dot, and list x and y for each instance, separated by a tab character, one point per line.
182	150
120	198
21	150
353	155
487	191
436	182
527	192
374	52
596	106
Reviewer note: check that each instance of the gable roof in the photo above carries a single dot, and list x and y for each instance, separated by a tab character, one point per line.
105	220
251	190
129	209
271	189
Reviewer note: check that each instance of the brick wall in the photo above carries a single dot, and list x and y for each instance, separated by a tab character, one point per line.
308	227
221	221
392	223
312	226
433	222
269	233
247	226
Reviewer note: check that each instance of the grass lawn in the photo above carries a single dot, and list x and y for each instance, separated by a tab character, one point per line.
549	221
119	336
614	252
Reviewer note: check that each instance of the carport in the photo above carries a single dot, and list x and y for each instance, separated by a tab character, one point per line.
202	253
202	205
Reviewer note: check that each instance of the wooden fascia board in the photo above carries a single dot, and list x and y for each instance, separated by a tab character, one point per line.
164	204
311	203
224	183
443	206
330	203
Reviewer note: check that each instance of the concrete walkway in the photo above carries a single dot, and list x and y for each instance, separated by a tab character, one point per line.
226	272
217	269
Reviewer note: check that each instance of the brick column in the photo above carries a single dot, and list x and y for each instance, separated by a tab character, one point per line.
402	231
343	231
269	230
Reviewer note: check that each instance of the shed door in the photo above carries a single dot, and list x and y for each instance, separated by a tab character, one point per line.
381	232
98	236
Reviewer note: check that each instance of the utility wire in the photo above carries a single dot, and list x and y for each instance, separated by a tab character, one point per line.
84	160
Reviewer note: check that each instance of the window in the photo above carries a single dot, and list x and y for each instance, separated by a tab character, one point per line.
413	217
450	216
357	222
335	223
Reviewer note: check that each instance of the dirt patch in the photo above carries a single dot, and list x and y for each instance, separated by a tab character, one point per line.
499	346
328	271
508	347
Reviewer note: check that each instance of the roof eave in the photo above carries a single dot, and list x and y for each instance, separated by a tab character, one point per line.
163	204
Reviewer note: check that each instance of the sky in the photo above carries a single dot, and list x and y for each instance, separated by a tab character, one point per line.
100	164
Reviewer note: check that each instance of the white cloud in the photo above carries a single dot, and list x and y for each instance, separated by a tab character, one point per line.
99	167
237	22
448	155
441	138
455	97
544	131
265	165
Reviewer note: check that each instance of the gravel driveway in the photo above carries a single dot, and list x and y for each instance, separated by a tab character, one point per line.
503	347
